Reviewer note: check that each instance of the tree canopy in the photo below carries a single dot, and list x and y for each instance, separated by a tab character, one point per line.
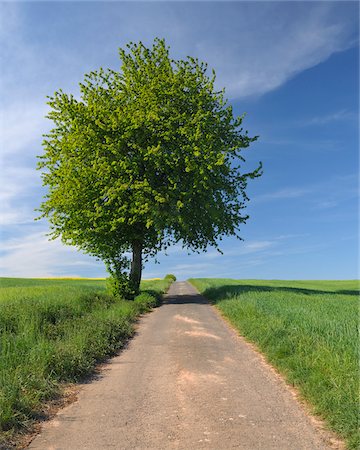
147	156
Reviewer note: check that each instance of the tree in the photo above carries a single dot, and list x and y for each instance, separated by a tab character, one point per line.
148	156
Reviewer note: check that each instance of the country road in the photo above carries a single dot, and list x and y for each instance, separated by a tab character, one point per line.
186	381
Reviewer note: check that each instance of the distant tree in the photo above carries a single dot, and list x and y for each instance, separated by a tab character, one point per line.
148	156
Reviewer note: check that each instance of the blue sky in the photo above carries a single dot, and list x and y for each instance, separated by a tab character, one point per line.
292	66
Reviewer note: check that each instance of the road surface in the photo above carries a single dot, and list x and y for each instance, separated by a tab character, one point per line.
186	381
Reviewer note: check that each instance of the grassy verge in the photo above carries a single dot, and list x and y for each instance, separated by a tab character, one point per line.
56	331
308	330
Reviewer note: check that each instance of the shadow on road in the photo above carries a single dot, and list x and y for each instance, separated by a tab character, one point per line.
186	299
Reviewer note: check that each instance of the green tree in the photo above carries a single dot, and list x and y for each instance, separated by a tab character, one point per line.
148	156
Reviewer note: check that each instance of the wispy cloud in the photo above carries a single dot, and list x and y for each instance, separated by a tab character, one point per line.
253	49
292	236
301	37
326	205
17	194
310	145
341	115
323	193
192	269
256	246
21	128
34	255
282	194
243	248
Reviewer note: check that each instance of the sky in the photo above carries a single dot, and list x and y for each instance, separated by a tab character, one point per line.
293	67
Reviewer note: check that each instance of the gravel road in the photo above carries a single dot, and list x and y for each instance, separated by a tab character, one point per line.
186	381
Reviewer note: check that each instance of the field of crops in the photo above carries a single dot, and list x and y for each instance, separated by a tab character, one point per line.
56	331
308	330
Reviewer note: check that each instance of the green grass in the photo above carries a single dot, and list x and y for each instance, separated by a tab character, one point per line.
63	282
56	331
308	330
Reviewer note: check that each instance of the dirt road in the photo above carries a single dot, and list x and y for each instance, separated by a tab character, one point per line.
186	381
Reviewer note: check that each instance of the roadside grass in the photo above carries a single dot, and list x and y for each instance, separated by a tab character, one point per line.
54	332
308	331
93	283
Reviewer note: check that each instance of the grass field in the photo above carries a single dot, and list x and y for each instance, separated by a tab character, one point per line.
308	330
54	331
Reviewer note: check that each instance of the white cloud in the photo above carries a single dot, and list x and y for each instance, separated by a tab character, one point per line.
323	192
255	246
282	194
329	118
292	236
17	195
254	48
196	268
326	204
9	216
21	127
9	20
249	247
35	256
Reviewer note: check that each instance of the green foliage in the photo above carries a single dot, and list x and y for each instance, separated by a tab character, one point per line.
145	157
120	286
308	330
146	301
156	287
55	331
170	276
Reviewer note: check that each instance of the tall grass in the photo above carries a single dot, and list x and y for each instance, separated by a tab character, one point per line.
55	331
308	330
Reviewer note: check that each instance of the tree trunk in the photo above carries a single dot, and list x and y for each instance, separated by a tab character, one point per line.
136	265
